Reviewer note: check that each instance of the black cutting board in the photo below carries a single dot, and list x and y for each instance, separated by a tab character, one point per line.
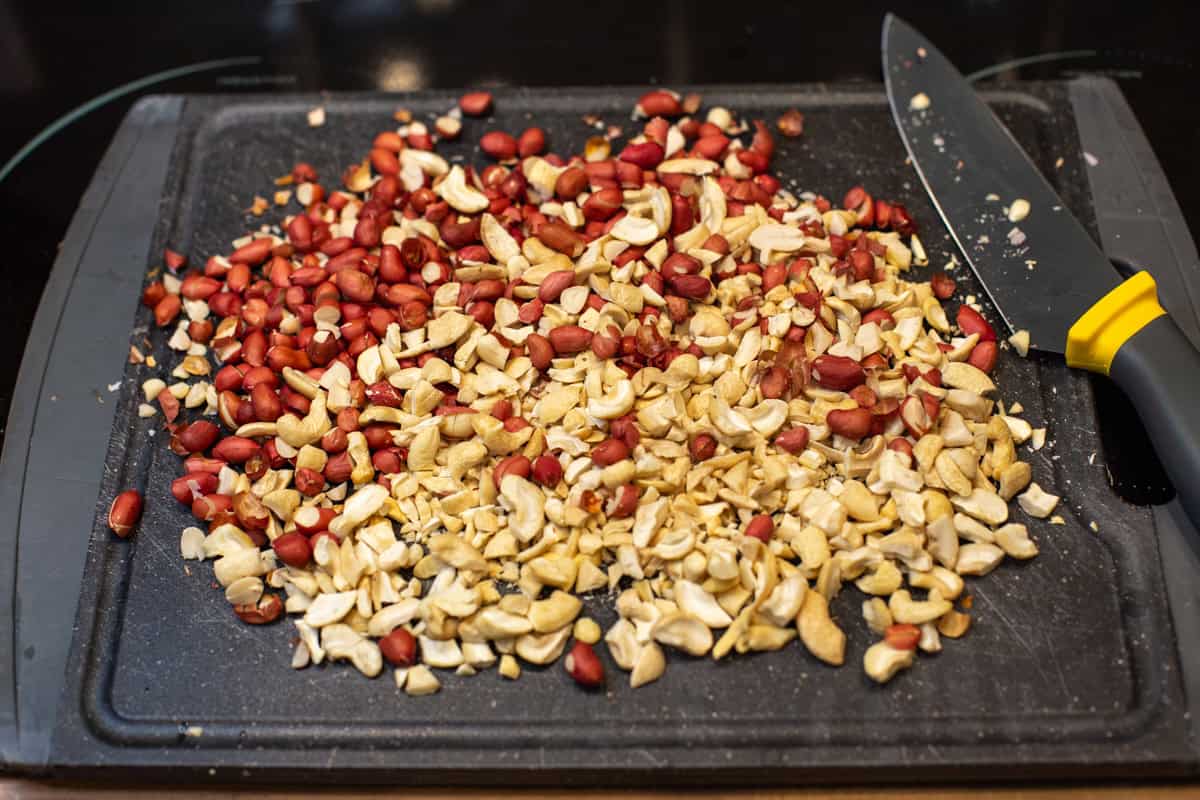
1071	665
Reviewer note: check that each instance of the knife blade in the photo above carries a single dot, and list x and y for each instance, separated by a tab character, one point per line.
964	155
1043	272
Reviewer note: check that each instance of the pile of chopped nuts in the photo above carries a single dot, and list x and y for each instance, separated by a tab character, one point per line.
451	401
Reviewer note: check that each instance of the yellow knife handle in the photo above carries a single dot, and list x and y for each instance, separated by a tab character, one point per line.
1129	337
1095	338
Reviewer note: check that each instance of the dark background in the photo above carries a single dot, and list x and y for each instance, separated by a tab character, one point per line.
55	57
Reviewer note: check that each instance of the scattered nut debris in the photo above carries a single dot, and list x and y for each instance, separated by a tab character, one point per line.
1019	210
316	117
1020	342
1090	159
791	123
919	102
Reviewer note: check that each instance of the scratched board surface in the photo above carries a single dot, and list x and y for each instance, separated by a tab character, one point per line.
1070	660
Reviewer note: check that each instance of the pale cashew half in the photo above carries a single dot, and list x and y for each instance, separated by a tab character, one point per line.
683	632
713	206
557	611
882	661
299	432
617	403
876	614
638	231
457	552
961	375
768	416
694	600
906	610
1014	539
327	609
978	558
528	504
785	600
461	197
987	507
498	241
649	666
622	643
688	166
650	517
823	638
1036	502
776	238
494	622
440	653
542	648
388	618
358	508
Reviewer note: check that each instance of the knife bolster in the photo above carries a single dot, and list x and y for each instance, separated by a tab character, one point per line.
1094	339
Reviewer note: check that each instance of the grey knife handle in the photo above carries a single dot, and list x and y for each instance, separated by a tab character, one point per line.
1159	370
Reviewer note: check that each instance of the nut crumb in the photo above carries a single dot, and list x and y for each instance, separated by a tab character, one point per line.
316	117
1090	159
1057	520
1058	162
1095	528
1020	341
1038	439
1019	210
919	102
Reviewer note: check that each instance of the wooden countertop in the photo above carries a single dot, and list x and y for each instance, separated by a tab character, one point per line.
35	790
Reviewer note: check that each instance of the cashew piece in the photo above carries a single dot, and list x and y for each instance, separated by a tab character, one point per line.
358	508
298	432
1036	502
638	231
818	631
882	661
906	610
649	666
461	197
542	648
622	643
616	403
694	600
557	611
683	632
528	504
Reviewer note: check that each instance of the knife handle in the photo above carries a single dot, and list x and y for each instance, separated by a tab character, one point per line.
1128	336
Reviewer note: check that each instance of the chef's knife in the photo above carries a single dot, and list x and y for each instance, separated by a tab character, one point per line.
1043	272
